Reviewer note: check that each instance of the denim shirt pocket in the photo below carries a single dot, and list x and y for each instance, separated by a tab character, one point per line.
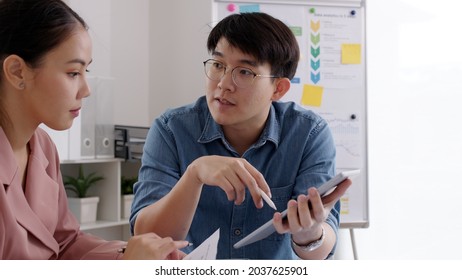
280	197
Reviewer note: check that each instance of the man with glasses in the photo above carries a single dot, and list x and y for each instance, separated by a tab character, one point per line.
203	163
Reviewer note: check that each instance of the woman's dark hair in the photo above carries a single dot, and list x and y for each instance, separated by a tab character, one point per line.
262	36
32	28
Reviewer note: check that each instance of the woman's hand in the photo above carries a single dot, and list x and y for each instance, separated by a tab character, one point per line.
150	246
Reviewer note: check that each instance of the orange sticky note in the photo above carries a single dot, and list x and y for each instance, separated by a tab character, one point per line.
351	53
312	95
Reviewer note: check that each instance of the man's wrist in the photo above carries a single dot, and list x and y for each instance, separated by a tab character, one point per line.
310	246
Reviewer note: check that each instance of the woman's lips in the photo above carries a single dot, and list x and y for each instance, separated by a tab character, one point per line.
75	112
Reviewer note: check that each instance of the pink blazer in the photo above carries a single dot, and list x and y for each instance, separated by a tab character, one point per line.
36	223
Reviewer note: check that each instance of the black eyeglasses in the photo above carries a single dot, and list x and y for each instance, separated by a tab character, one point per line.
242	77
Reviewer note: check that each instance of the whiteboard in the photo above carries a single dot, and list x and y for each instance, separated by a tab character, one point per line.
330	79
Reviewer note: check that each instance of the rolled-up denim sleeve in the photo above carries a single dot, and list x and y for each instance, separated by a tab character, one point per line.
318	166
159	169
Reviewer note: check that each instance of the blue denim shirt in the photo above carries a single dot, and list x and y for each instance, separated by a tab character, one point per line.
295	151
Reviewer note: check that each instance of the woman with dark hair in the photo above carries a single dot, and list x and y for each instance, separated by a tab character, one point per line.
45	51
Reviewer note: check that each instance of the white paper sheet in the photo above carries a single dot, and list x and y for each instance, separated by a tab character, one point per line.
207	250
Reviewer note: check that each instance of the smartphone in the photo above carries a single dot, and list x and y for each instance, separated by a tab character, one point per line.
266	229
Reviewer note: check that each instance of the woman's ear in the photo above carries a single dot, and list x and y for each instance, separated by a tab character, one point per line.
14	68
282	87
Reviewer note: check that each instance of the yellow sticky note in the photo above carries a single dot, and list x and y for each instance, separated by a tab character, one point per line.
312	95
345	205
351	53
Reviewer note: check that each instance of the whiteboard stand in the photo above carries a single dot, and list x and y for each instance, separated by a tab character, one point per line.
353	244
346	238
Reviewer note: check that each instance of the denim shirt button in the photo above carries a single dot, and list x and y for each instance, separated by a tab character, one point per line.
237	232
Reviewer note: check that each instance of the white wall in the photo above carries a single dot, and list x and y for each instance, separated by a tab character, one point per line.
98	15
178	34
120	33
136	41
130	60
414	66
414	82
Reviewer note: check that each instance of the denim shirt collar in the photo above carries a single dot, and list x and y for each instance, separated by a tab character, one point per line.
213	131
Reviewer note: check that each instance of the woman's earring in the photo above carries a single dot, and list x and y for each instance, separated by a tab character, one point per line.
22	85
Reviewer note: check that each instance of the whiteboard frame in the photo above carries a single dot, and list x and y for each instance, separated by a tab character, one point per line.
329	3
336	3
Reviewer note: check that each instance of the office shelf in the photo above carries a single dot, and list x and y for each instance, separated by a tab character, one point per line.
109	224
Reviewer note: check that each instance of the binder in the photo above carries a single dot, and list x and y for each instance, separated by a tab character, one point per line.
82	132
104	118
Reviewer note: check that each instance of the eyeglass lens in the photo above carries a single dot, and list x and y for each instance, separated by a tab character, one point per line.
242	77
